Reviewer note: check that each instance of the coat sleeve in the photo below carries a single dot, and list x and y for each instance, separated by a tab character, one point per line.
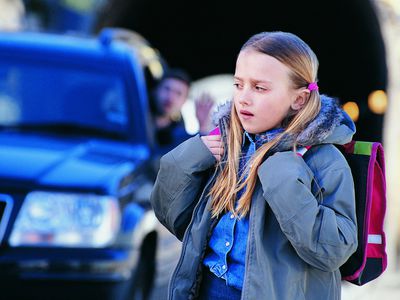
179	183
322	232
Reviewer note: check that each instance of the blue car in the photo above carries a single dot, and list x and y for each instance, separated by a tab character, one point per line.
76	145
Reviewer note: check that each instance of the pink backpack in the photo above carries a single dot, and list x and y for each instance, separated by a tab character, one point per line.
367	163
366	160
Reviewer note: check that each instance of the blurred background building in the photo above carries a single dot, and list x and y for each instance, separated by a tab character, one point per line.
204	38
346	36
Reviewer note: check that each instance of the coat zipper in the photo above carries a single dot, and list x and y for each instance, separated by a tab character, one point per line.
249	240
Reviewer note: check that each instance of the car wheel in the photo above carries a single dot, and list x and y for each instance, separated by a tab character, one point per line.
143	278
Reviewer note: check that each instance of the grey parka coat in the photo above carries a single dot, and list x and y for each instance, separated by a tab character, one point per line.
302	223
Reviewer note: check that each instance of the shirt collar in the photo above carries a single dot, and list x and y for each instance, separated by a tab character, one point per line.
261	138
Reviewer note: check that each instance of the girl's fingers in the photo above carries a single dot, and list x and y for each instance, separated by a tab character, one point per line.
214	144
212	137
211	140
217	151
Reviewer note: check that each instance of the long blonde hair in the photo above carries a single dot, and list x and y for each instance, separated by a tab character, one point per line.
303	63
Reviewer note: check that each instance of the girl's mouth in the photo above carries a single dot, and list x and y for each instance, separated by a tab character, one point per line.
246	114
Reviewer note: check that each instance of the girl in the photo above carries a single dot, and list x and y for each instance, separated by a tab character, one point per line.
258	221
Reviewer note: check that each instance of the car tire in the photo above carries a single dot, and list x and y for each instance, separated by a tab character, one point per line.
143	278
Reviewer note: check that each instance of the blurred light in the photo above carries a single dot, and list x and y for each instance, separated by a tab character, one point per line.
147	52
79	5
377	102
12	15
149	57
156	69
351	108
395	4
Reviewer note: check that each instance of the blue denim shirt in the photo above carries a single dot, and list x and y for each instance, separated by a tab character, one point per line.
227	246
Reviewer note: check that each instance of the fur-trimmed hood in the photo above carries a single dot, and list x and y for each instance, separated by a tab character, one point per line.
331	125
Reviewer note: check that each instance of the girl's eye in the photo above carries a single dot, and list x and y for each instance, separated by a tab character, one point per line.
260	88
236	85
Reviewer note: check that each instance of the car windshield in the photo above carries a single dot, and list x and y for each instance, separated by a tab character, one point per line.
36	95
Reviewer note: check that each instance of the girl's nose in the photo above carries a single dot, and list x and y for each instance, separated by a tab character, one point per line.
244	98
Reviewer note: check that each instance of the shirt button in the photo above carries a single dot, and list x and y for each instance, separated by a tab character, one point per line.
232	216
227	244
223	267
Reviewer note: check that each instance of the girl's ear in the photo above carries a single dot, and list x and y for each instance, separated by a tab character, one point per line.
301	99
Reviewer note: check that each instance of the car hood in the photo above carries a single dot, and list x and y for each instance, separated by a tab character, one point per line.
80	163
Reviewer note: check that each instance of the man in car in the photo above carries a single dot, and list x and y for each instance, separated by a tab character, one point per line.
169	95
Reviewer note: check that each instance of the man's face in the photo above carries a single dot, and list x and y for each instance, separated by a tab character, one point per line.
172	94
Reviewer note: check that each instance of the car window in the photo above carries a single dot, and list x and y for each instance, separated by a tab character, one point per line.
34	93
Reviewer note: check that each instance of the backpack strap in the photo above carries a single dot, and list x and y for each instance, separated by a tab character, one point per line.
302	150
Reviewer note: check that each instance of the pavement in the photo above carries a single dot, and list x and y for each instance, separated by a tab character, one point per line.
167	256
385	287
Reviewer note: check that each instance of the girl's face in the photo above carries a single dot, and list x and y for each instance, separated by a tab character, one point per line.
263	92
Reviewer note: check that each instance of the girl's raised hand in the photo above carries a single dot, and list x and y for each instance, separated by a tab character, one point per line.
214	144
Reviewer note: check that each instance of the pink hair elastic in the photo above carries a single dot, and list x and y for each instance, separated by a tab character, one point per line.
313	86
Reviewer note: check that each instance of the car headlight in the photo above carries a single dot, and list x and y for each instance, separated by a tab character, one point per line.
50	219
